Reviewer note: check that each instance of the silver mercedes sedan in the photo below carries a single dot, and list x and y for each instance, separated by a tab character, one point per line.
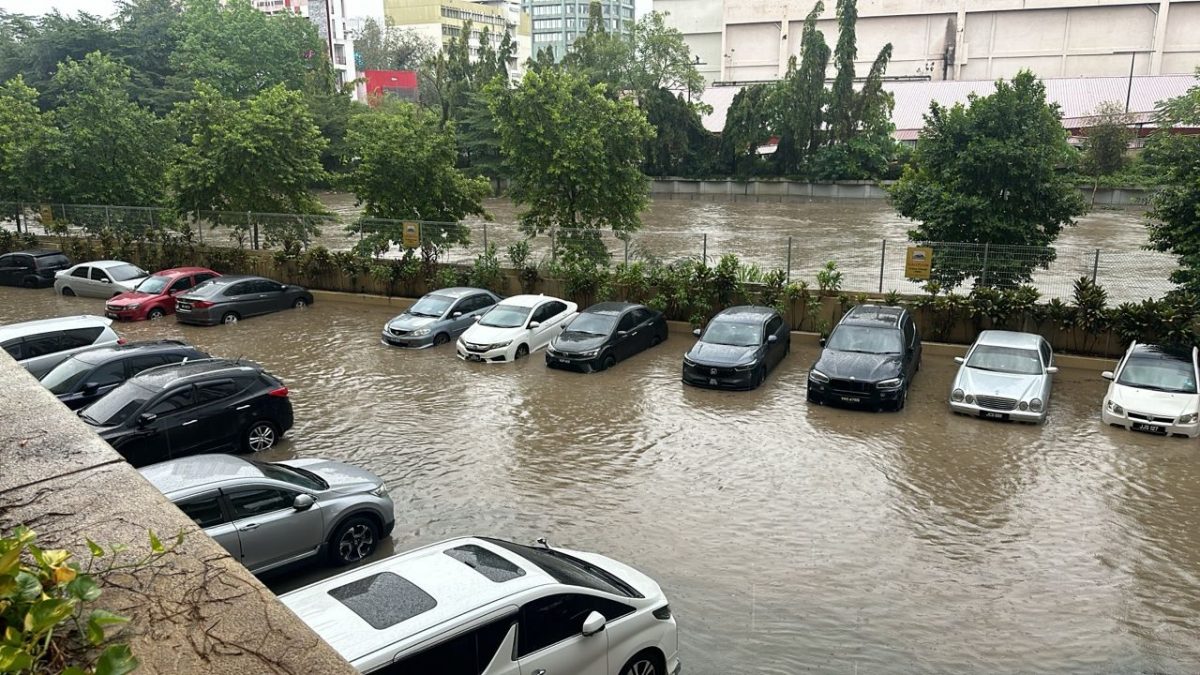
1005	376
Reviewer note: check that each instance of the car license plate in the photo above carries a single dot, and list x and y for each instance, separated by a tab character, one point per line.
712	381
850	399
1149	428
183	308
993	415
474	357
111	315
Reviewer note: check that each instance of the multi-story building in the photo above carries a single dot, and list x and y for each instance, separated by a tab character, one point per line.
330	19
440	20
277	6
556	23
746	40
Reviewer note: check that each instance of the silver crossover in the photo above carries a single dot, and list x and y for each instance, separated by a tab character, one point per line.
1005	376
268	515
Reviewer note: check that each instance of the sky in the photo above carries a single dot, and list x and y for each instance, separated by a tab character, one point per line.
354	8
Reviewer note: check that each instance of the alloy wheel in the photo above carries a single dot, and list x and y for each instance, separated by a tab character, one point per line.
67	292
155	313
300	303
229	318
261	437
356	543
642	667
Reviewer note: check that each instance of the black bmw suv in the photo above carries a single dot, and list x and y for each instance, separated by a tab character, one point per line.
869	360
90	374
212	405
31	269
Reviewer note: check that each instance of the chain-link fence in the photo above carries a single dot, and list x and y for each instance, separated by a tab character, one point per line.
864	266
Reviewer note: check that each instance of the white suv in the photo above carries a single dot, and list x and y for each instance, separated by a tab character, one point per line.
40	345
476	606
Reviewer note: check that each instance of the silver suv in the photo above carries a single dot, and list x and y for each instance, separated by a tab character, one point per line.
268	515
42	344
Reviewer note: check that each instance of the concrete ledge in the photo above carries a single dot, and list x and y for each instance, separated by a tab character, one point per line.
194	611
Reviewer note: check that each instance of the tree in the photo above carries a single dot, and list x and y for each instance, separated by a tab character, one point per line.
1107	138
985	173
114	150
747	126
661	58
574	155
796	102
30	145
146	36
390	47
1175	209
841	99
36	47
681	146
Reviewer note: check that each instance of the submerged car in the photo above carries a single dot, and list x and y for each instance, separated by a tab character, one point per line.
478	605
229	299
90	374
438	317
34	268
44	343
268	515
154	297
737	349
99	279
1005	376
1154	390
515	328
604	334
869	359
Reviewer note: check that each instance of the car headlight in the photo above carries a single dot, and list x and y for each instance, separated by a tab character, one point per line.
132	306
744	367
1113	407
893	383
689	362
1188	418
380	492
420	331
817	376
970	399
500	345
957	395
1023	405
1036	405
589	354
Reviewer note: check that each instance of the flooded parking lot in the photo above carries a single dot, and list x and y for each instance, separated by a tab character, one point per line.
789	538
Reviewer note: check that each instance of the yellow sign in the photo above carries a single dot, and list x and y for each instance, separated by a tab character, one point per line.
47	213
918	262
412	235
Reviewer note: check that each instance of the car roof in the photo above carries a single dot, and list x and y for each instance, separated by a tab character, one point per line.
230	278
527	300
1009	338
36	252
756	313
57	323
105	264
457	291
865	315
611	308
1146	350
454	586
176	271
160	377
198	471
104	353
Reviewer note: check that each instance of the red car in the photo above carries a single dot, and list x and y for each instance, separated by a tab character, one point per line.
155	296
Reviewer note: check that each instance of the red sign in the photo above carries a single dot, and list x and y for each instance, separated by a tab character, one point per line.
401	83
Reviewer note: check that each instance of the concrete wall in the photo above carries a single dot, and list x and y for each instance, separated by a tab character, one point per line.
194	611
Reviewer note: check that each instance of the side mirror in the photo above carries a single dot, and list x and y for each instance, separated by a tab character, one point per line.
959	359
594	623
821	342
534	324
90	388
146	418
477	317
303	502
1052	370
622	333
696	332
456	315
1108	375
772	339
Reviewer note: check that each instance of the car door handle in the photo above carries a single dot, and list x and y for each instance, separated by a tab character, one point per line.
188	422
540	671
242	407
249	526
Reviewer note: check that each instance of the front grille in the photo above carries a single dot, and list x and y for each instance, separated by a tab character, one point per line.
472	347
996	402
112	308
853	386
398	332
1150	418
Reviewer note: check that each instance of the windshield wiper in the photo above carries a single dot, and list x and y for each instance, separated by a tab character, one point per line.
89	418
584	332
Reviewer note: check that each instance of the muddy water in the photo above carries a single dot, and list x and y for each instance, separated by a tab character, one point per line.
789	538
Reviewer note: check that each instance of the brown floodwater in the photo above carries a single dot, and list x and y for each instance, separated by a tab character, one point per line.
789	538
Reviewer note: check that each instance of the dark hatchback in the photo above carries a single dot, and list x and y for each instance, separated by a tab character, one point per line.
31	269
231	298
214	405
604	334
88	375
737	349
869	360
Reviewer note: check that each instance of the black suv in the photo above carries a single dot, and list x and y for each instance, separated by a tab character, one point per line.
31	269
213	405
88	375
869	359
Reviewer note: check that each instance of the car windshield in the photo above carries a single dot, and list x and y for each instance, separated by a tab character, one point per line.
866	340
1159	374
118	405
733	333
1006	360
431	306
505	316
592	324
290	474
64	377
154	284
126	272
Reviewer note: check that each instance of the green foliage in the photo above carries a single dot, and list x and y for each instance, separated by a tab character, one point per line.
14	241
34	47
520	255
829	279
1107	138
486	273
985	173
1175	209
681	145
45	624
30	145
747	125
574	155
390	47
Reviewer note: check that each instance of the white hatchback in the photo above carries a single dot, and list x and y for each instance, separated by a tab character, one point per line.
476	606
1154	390
515	327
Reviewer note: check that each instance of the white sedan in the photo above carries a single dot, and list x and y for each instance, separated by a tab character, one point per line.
1154	390
515	328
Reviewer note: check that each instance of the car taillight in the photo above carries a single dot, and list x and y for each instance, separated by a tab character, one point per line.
663	612
281	392
201	304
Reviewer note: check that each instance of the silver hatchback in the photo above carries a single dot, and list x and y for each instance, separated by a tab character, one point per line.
268	515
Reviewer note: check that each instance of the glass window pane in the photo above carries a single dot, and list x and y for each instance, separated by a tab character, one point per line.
257	501
384	599
205	510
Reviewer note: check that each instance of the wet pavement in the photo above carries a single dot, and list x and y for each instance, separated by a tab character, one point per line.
789	538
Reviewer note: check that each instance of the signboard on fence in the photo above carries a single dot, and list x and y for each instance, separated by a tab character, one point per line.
47	213
918	262
412	235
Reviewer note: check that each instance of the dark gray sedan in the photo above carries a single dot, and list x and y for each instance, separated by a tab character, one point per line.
439	317
229	299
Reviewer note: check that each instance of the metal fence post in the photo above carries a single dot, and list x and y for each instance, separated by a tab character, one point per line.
626	250
1096	266
107	217
485	243
882	262
704	254
255	227
151	217
789	263
20	215
553	248
983	275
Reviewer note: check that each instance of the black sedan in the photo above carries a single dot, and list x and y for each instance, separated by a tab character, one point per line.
869	360
231	298
606	333
737	349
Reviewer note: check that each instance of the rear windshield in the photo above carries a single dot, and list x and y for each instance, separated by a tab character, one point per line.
384	600
118	405
57	260
126	272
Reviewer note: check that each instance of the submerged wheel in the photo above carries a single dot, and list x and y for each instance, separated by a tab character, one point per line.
230	317
354	540
522	352
155	313
67	292
440	339
608	362
300	303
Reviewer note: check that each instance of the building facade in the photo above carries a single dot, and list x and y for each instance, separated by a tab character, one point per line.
329	16
749	40
556	23
440	20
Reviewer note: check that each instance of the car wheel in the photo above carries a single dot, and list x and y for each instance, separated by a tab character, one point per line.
229	317
608	362
155	313
67	292
440	339
654	341
260	436
522	352
354	540
812	399
300	303
900	402
29	283
645	663
759	376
